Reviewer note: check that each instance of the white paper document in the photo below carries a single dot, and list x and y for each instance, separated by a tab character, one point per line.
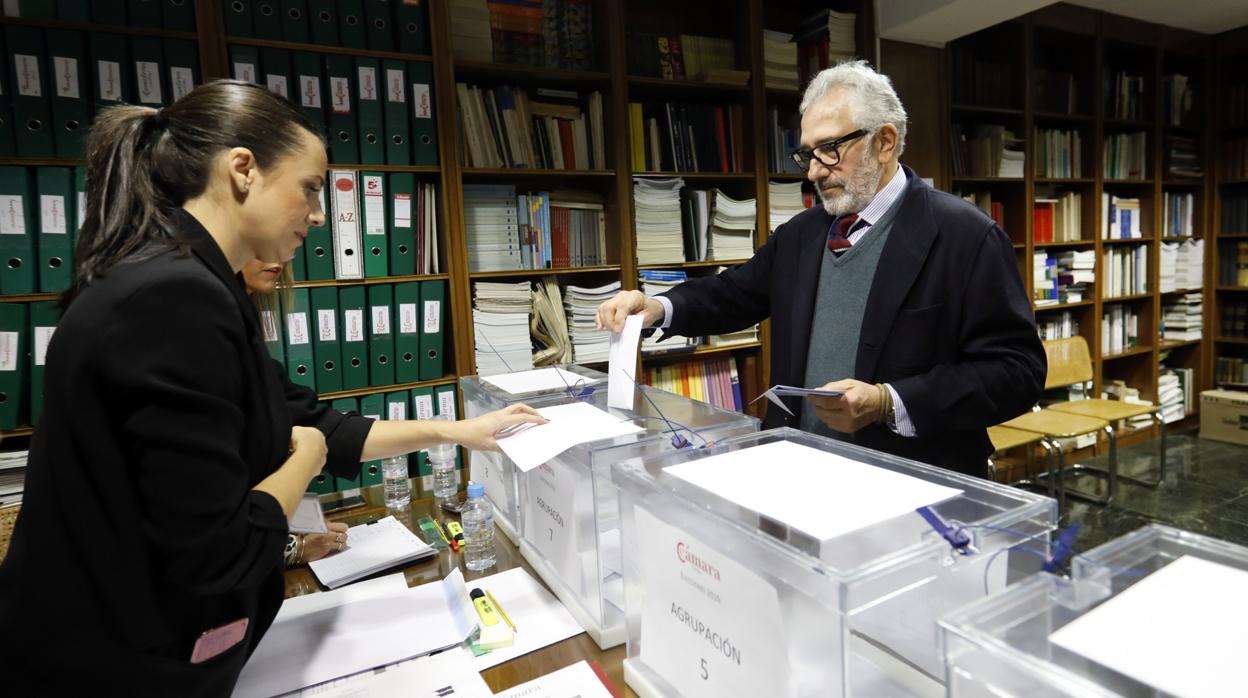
822	494
308	517
534	381
371	549
623	364
1181	630
440	675
578	680
569	425
775	392
539	618
321	637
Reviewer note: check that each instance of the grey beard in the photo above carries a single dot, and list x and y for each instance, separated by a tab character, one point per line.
859	189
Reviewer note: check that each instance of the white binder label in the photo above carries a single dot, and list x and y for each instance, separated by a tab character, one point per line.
368	83
422	107
12	215
268	325
396	411
402	210
8	351
374	206
27	70
66	73
326	325
181	81
110	80
381	319
340	95
446	403
407	318
148	74
277	85
550	511
354	330
297	328
433	317
709	625
43	335
424	406
52	215
245	72
310	91
394	86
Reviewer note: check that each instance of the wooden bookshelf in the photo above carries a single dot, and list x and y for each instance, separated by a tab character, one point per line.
1231	52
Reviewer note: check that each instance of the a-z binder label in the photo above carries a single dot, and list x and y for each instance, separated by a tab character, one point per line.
182	81
277	84
8	351
709	626
12	215
110	80
433	317
65	70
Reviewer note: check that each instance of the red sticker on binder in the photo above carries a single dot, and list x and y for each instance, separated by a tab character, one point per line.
218	640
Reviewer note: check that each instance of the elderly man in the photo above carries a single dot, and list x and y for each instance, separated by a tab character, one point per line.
906	298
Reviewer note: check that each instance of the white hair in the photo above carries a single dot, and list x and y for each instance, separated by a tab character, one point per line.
873	101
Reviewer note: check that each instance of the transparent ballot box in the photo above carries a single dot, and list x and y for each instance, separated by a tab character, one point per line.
1157	612
790	565
537	388
569	508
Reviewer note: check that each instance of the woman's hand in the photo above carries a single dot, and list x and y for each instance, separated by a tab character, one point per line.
310	442
318	545
479	433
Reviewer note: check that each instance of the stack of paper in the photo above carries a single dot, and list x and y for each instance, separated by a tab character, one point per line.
732	228
656	206
779	61
12	476
841	45
372	548
785	201
654	282
500	318
1182	265
492	222
1181	317
1170	396
589	344
470	31
552	344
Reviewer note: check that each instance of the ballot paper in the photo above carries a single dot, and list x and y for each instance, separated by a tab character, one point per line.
775	392
541	379
579	680
371	548
623	364
1180	630
308	517
568	425
822	494
539	618
440	675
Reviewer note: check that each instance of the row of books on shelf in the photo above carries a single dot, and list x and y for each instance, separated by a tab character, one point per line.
1234	319
1182	318
823	39
1182	265
1124	271
989	150
780	62
539	33
1123	217
1125	96
1058	153
55	81
784	134
375	112
1235	211
713	381
1233	263
534	230
981	82
1126	156
1058	219
1055	91
1234	153
682	57
376	225
354	337
521	325
1062	277
554	129
1178	214
1120	329
1177	99
1059	325
676	137
992	207
674	223
176	16
398	405
1176	393
1230	369
378	26
1182	160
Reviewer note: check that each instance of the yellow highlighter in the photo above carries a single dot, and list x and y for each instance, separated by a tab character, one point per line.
494	632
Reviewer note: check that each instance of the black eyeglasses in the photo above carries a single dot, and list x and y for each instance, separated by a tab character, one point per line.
828	154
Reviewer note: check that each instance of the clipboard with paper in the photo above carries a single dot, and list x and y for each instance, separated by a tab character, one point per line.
775	392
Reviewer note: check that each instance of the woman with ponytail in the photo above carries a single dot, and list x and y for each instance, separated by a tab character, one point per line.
148	555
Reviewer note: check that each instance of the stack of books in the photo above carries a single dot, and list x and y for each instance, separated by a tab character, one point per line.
1176	393
1122	217
786	199
1178	209
656	206
779	61
1181	318
1182	161
1182	265
552	129
1126	156
500	318
732	228
470	31
589	344
493	225
1058	219
1063	277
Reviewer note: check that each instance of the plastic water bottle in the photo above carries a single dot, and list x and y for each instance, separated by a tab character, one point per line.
395	483
477	518
445	478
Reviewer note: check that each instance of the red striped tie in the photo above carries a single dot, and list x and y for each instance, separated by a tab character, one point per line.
837	239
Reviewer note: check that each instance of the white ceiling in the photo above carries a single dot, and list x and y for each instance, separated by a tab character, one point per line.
937	22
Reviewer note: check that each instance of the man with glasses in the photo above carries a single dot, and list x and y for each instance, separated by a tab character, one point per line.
906	298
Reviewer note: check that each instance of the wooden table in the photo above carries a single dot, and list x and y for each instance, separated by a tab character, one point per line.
300	580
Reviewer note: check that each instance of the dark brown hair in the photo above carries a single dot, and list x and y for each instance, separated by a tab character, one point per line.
144	163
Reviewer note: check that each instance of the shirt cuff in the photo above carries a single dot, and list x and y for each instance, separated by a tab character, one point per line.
667	311
901	419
